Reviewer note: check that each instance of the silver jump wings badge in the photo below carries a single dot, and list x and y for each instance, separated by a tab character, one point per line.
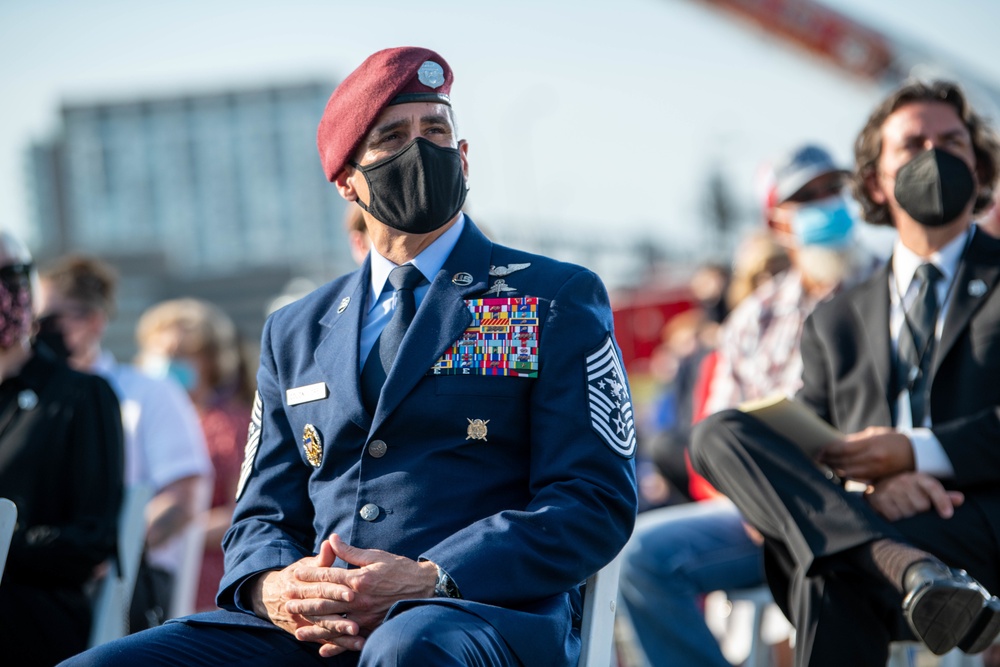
502	271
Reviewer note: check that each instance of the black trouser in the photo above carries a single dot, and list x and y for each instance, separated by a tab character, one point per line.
842	615
41	623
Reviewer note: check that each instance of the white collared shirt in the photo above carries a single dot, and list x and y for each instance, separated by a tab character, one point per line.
928	453
380	300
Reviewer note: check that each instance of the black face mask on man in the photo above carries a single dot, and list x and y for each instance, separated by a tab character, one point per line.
418	189
935	187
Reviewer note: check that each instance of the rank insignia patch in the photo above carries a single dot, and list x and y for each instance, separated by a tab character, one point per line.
501	340
253	442
312	445
610	402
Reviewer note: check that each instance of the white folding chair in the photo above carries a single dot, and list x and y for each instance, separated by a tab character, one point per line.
185	588
8	520
747	623
912	654
114	594
597	630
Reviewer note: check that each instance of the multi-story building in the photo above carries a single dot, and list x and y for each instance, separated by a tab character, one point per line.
216	181
215	184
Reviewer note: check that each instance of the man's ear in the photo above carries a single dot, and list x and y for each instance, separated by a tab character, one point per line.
873	188
345	184
463	151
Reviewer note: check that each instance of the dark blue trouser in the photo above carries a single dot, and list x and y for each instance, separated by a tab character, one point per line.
423	635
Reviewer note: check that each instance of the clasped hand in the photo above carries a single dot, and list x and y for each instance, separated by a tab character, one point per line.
883	458
339	607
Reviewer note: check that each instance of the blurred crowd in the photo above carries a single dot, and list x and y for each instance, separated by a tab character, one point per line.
174	420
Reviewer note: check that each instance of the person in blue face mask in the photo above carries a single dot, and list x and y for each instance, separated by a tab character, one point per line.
197	345
678	554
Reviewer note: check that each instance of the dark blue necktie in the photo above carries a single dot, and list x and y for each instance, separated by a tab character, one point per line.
916	342
403	280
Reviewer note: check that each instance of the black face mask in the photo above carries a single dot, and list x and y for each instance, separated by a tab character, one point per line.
418	189
934	187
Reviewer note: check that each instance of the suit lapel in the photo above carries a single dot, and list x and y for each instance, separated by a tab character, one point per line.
872	308
337	352
976	278
440	319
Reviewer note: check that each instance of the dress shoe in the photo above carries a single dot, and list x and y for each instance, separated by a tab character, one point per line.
984	630
944	606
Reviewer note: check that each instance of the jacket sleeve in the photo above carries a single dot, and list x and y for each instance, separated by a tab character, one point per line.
815	374
971	445
582	484
272	525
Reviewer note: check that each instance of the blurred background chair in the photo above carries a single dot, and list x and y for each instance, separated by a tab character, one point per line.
913	654
185	590
597	627
748	624
114	593
8	519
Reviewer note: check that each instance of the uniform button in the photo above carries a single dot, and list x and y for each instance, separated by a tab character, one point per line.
369	512
378	448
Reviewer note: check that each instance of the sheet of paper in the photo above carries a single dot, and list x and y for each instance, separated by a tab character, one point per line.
795	421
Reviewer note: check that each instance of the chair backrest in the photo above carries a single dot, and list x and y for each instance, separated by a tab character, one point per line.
185	587
597	630
8	519
114	594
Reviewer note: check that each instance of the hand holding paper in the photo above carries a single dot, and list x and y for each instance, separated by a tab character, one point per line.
872	454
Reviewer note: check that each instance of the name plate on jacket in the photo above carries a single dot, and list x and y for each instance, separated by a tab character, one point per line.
502	340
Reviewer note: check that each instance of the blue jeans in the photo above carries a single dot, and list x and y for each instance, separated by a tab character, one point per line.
675	556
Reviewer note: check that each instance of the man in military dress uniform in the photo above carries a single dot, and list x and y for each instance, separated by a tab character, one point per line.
441	447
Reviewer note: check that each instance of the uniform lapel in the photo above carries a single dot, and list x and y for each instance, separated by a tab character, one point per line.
872	306
337	352
976	278
440	319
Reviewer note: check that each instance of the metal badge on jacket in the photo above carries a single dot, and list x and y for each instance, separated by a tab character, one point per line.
312	445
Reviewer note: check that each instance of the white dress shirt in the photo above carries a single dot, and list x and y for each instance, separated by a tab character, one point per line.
929	455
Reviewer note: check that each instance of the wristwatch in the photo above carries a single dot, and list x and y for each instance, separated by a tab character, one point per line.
445	586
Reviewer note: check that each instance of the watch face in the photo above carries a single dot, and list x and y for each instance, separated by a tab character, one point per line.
445	587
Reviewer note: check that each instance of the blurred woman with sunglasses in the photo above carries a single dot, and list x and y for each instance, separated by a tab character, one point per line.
61	464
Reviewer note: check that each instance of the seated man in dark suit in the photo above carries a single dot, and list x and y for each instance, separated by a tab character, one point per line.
906	366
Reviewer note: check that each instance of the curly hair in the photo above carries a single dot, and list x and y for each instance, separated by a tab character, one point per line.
868	145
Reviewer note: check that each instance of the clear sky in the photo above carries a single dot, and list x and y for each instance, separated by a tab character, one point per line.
594	121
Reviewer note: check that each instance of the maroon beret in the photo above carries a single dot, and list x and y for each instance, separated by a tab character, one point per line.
392	76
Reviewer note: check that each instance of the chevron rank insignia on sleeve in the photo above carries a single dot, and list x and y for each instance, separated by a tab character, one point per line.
253	442
610	402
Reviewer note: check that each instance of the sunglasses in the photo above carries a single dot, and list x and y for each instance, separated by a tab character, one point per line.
16	275
817	191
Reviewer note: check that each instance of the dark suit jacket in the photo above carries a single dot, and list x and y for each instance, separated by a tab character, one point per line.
518	519
61	462
847	361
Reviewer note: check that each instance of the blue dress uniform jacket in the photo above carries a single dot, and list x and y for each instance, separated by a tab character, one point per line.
518	517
